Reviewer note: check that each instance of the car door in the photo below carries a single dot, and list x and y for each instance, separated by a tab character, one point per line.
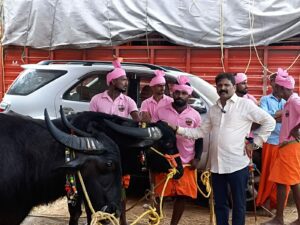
77	97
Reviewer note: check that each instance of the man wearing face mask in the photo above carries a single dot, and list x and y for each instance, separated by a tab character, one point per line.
229	122
114	102
179	113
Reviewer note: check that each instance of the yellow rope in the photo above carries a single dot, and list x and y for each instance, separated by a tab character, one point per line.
96	216
169	176
205	179
212	209
155	219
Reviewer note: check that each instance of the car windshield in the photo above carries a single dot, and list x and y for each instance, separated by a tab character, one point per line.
204	87
31	80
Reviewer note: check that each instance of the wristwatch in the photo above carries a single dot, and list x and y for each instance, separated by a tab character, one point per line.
255	146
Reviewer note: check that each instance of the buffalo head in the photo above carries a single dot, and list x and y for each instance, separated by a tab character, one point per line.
130	138
98	160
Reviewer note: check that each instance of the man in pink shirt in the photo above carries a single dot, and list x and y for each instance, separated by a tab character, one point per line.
157	100
286	168
179	113
114	102
242	87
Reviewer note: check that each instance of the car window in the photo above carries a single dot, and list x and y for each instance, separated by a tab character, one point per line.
87	87
31	80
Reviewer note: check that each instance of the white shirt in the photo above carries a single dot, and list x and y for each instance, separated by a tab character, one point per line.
228	128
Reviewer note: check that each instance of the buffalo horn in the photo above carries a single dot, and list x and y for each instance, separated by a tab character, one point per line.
83	144
70	126
150	133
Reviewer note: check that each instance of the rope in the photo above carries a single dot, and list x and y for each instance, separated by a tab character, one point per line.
205	179
250	42
212	209
151	211
170	175
147	40
222	35
296	59
251	18
109	29
96	216
27	32
148	193
170	158
99	215
154	216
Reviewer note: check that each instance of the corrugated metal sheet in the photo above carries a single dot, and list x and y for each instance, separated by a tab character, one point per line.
205	63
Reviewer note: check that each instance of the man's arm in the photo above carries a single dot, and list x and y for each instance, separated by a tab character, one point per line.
295	132
134	112
93	104
135	116
258	115
195	133
198	153
264	105
144	113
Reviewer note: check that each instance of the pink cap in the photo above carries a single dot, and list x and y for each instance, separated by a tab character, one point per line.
283	79
117	72
240	77
181	86
282	72
158	79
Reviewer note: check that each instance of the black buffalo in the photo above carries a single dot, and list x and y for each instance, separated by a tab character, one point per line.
128	136
33	169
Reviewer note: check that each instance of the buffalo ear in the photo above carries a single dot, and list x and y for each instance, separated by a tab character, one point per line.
72	165
142	144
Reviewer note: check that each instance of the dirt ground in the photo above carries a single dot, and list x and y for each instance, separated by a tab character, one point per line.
57	214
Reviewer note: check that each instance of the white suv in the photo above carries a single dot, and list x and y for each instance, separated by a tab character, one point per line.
72	84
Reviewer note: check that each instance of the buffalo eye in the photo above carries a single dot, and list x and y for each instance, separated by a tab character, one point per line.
169	144
109	163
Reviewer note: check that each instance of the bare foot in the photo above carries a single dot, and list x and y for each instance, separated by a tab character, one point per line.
274	221
296	222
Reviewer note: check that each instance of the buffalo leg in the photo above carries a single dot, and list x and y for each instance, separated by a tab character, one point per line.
75	212
88	212
123	220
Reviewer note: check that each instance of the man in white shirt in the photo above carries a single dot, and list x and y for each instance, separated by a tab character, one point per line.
229	122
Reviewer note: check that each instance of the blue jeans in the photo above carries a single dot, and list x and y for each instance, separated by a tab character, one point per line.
238	184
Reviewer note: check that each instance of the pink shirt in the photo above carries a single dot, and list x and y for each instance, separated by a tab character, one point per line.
290	117
151	105
121	106
188	118
251	97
